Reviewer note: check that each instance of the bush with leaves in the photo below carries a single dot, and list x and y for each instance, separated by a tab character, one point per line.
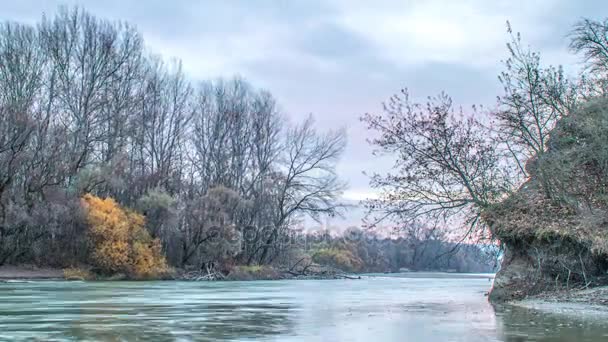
340	258
120	242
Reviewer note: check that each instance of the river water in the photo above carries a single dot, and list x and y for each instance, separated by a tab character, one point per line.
407	307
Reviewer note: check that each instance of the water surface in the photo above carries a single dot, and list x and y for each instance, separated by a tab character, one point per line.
408	307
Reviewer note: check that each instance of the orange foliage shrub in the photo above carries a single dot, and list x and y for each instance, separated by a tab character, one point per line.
120	241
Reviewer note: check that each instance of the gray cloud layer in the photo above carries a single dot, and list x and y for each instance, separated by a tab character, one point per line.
339	59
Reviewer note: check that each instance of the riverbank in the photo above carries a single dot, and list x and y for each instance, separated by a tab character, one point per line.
238	273
29	273
587	302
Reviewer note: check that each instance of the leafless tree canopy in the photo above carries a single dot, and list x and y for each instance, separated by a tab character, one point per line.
446	163
85	108
452	164
534	99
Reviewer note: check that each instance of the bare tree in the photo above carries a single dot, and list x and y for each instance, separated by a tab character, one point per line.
224	133
307	184
85	109
236	143
21	65
589	38
534	100
208	227
163	123
446	164
86	55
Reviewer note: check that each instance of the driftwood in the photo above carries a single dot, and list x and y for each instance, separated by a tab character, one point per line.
200	276
312	270
303	269
208	274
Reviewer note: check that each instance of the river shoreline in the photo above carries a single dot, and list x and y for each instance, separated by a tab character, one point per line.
25	272
592	302
30	272
588	302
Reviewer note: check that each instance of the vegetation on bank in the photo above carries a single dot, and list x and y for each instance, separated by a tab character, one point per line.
530	174
114	164
114	232
120	243
111	157
559	216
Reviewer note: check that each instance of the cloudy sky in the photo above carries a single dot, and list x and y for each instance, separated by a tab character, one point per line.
338	59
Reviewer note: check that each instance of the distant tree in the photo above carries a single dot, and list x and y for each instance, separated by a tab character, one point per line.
362	251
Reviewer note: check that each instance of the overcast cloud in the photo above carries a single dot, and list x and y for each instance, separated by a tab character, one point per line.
339	59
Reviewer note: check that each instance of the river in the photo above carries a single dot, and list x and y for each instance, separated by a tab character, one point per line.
406	307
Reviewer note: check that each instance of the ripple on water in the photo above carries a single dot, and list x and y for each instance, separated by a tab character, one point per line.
404	308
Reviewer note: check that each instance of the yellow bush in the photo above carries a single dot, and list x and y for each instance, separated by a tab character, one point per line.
120	242
148	260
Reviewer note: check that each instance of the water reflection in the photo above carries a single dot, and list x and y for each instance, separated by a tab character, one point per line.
407	308
136	311
520	324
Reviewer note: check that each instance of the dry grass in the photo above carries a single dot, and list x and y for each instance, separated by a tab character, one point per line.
529	215
75	273
254	272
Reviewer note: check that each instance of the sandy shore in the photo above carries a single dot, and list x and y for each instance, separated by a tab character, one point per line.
25	272
589	302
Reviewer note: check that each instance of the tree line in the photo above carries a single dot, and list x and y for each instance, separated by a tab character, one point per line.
87	109
414	249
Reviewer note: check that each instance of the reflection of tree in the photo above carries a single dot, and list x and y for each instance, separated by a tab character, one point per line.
246	321
109	312
137	311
